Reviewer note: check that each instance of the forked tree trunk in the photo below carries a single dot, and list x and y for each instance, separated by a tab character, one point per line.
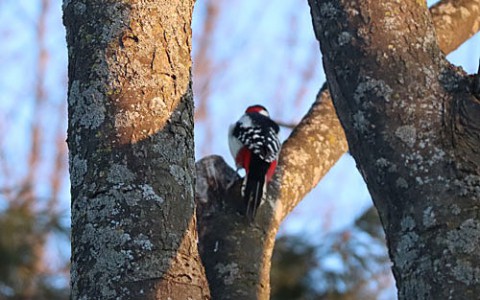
413	127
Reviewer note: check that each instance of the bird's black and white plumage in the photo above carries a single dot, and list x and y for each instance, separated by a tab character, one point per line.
255	146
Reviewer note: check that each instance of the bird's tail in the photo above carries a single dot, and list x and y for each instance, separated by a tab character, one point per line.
255	186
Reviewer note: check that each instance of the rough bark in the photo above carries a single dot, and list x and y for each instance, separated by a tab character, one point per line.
312	149
412	126
232	271
130	138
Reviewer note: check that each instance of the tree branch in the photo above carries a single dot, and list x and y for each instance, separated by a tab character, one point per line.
307	155
459	16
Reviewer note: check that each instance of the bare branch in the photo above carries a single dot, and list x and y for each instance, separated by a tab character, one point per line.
311	150
455	22
286	124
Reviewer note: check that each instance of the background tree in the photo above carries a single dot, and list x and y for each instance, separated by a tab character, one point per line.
33	157
349	264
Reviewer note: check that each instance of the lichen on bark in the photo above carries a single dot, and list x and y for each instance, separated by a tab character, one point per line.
131	145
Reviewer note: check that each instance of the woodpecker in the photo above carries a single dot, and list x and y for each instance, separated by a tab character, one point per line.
254	144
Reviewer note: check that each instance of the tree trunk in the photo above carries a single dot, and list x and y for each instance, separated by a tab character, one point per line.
130	138
412	126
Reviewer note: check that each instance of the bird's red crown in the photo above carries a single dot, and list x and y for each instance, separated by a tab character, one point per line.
257	109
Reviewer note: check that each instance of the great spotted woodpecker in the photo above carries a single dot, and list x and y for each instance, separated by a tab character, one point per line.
255	146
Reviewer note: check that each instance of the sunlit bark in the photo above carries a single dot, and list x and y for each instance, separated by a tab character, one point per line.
131	150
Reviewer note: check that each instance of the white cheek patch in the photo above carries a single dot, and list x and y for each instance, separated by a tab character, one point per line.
265	113
245	121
